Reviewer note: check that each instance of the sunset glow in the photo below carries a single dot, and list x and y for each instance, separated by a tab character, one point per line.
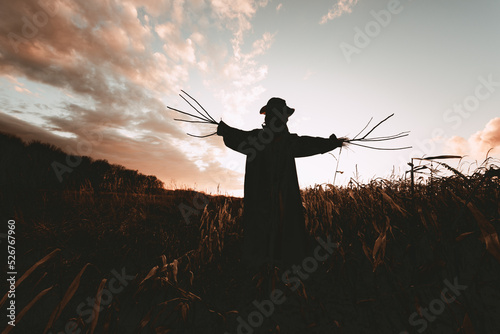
102	73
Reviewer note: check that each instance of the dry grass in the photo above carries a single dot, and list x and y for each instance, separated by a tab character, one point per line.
396	251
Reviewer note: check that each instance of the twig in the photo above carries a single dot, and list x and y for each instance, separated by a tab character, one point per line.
364	139
363	128
185	113
381	148
209	116
381	138
204	119
385	119
207	119
185	120
337	168
202	136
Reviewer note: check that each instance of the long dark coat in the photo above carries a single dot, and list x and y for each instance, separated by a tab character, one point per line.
273	219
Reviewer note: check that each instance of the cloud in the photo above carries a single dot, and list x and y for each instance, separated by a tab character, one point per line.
480	143
236	14
162	158
237	84
102	41
244	73
488	138
458	146
340	8
23	90
119	60
92	47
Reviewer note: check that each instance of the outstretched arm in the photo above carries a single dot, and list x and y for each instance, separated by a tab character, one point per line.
305	146
235	139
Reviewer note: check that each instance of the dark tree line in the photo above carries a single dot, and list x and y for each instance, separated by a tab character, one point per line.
37	165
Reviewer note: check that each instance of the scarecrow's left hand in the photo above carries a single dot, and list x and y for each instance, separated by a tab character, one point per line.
340	141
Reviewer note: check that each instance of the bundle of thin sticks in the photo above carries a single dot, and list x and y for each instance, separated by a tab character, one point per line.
202	119
356	141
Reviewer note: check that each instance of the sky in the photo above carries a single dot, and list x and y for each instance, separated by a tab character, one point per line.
95	78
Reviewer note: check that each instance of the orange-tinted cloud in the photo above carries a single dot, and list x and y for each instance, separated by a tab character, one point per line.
340	8
478	145
115	60
488	138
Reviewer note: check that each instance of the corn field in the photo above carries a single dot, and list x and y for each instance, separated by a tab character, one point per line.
398	248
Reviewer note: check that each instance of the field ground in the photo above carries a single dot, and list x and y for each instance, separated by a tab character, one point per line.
106	262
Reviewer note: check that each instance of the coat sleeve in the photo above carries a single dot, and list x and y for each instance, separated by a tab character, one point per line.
235	139
305	146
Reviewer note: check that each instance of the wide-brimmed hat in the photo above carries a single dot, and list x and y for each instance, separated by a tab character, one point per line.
279	104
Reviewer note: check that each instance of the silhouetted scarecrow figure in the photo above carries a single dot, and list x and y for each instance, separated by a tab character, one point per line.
273	219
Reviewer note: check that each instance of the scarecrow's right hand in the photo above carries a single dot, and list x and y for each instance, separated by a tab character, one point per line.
220	128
